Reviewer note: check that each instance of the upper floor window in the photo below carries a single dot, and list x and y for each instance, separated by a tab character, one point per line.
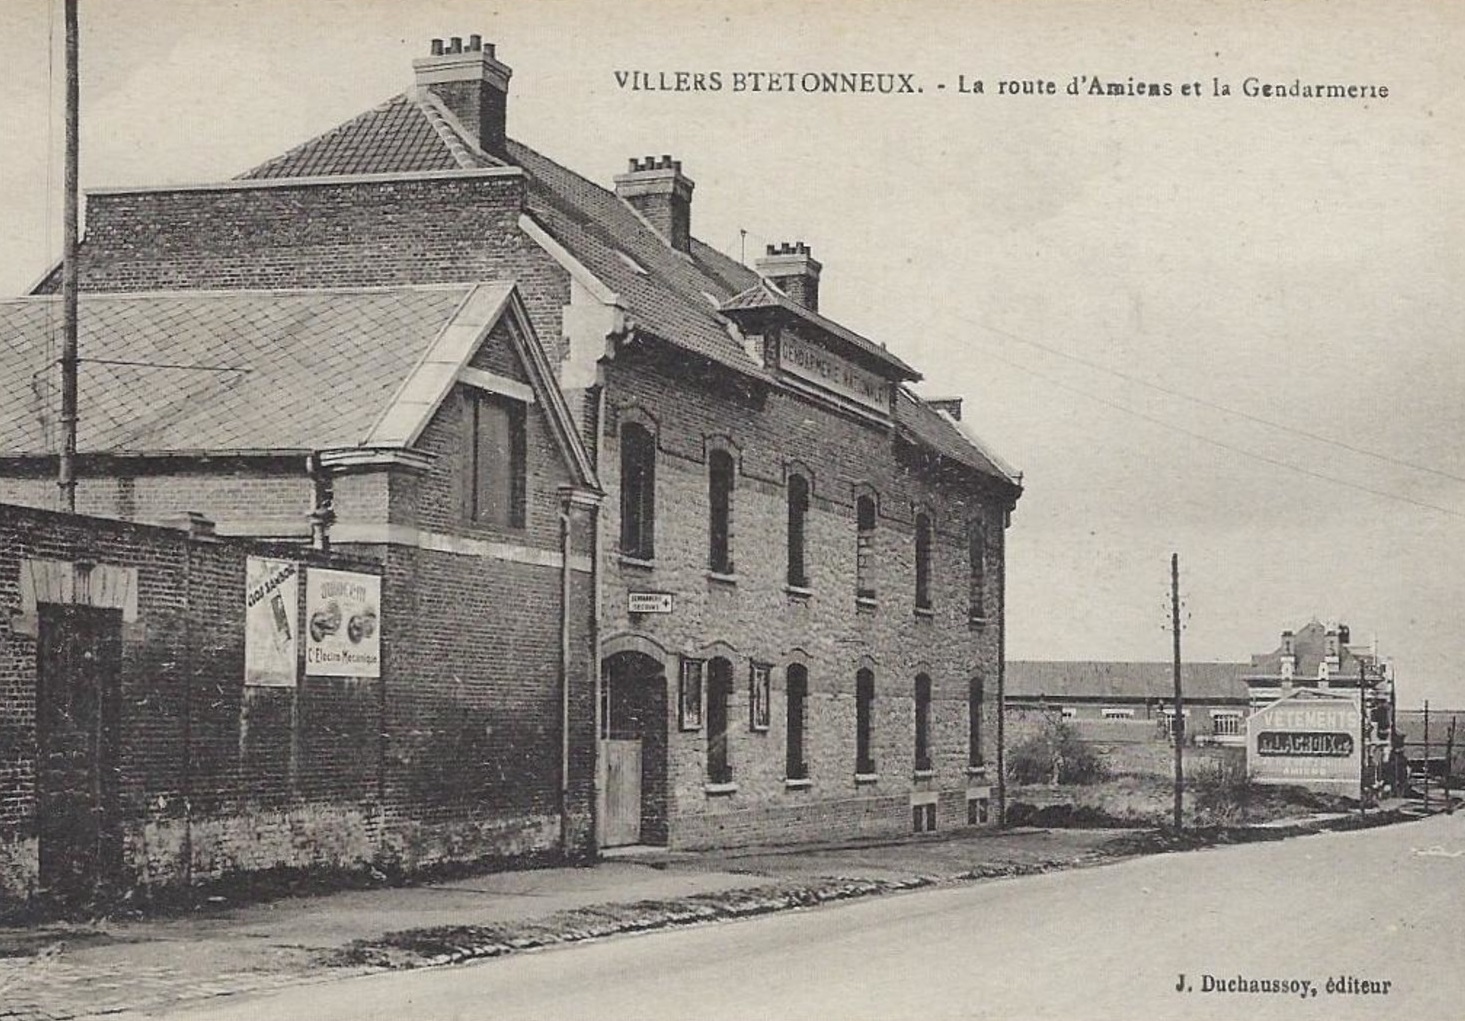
719	511
923	722
923	562
496	453
638	492
865	547
977	579
798	510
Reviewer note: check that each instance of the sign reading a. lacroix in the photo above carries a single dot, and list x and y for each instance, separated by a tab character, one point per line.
1308	738
342	625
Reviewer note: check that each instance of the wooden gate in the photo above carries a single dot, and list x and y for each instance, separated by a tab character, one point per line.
622	758
79	661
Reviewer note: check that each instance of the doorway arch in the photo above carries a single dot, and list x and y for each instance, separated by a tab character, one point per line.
634	749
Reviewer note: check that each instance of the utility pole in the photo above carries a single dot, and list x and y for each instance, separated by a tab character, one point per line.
1362	745
66	468
1449	759
1178	728
1426	756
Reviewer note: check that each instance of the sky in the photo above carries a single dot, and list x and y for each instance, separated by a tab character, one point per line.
1220	326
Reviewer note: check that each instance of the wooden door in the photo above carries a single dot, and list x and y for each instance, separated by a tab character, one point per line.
622	759
79	661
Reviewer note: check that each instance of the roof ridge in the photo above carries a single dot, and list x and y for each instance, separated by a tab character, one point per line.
182	292
317	139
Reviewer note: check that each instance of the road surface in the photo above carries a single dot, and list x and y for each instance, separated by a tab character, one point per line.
1380	906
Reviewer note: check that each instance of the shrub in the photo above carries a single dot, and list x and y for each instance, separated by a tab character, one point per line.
1054	754
1223	789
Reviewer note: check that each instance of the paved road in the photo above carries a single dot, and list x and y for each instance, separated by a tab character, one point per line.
1380	905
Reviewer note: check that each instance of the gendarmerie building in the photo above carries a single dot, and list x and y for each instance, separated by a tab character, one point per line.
800	563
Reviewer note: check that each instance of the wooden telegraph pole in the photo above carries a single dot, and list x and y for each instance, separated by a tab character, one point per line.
1178	727
66	467
1362	745
1426	756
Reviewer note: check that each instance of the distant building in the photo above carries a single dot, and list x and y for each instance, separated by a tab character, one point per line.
1214	695
1316	656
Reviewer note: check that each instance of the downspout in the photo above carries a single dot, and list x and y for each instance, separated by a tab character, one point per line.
596	792
1002	677
321	513
565	676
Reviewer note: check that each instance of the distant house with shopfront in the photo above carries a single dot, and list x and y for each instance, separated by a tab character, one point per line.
1317	655
1214	695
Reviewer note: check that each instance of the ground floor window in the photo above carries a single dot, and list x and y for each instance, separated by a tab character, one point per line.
864	721
797	685
1112	713
719	694
1226	723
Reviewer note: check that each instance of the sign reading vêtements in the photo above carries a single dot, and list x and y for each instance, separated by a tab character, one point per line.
342	626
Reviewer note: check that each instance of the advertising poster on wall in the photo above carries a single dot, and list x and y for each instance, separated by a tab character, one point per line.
271	621
343	632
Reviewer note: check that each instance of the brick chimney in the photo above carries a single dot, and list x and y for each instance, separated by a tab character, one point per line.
470	83
950	405
1289	655
795	270
662	194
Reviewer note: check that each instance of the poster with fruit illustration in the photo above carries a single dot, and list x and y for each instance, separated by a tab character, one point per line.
342	629
271	621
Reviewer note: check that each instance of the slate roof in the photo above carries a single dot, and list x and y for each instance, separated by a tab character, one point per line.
1100	680
306	370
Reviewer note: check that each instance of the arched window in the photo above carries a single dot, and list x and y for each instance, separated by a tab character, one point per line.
977	579
798	510
864	721
638	492
797	690
865	547
719	694
923	722
719	511
923	562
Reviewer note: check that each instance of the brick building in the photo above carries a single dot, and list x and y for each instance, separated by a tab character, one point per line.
801	563
1127	694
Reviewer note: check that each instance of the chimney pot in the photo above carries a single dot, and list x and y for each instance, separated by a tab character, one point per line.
665	201
475	89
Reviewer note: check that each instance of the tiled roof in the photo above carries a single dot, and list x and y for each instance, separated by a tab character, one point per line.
301	370
403	135
1053	679
670	295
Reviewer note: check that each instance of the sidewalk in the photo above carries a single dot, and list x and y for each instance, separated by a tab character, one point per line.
146	966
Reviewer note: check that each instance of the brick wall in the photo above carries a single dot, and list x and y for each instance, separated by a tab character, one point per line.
756	619
331	234
211	777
